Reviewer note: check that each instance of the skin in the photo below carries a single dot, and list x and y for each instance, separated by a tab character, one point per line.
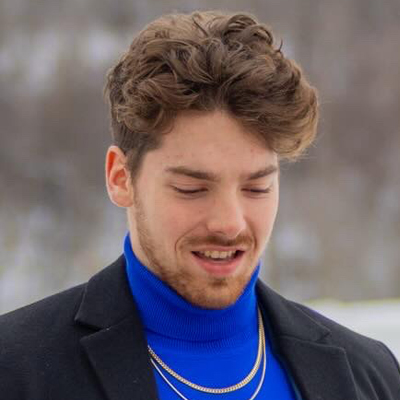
225	208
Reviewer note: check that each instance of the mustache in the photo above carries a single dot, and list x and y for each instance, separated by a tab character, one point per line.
216	240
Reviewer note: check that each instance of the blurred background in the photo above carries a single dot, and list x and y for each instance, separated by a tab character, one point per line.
338	232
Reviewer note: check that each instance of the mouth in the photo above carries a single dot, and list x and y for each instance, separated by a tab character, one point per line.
220	263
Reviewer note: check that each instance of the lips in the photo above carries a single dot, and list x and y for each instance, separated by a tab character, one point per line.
214	255
218	266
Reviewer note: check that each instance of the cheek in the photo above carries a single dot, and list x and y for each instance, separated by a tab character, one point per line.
263	219
177	221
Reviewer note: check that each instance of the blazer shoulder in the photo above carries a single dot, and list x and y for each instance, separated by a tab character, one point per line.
55	316
41	316
364	353
339	334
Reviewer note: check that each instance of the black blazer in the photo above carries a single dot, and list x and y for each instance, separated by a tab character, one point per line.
88	343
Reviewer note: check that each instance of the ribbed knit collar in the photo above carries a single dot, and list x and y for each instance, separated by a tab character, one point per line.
166	313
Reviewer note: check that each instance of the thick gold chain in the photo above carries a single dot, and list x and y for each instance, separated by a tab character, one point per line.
237	386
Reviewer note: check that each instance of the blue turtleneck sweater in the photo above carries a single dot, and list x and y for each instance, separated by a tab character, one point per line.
213	348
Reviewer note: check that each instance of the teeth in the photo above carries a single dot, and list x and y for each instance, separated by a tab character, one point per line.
218	254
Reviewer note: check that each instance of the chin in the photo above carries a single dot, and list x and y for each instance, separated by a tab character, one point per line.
218	295
205	291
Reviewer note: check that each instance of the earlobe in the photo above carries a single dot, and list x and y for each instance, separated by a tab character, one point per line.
118	179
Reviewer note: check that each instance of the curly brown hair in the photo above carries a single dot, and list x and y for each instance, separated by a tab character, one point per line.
207	61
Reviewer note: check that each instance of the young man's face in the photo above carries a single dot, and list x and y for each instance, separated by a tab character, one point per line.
204	207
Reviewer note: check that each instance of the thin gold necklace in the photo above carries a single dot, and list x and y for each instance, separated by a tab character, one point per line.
155	359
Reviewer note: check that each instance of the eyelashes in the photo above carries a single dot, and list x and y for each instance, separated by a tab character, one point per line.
189	191
192	192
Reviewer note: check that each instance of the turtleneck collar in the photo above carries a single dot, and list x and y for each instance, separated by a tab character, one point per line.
166	313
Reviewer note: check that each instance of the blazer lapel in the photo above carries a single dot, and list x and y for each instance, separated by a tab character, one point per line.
117	348
320	370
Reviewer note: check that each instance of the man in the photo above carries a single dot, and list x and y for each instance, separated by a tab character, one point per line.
203	109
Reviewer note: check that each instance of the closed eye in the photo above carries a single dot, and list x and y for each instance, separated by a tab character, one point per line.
267	190
188	191
201	190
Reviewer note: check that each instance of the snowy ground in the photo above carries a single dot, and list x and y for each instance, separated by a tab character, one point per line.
377	319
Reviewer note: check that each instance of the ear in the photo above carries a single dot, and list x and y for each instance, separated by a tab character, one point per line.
118	178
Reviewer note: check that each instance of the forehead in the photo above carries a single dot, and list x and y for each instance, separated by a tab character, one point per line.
213	141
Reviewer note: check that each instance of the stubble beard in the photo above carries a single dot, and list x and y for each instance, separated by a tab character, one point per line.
207	292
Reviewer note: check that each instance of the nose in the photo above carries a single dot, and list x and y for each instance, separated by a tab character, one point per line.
226	217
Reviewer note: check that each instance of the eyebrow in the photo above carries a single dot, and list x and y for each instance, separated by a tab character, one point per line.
210	176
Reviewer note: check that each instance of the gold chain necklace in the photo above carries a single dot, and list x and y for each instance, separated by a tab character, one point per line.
252	397
260	352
